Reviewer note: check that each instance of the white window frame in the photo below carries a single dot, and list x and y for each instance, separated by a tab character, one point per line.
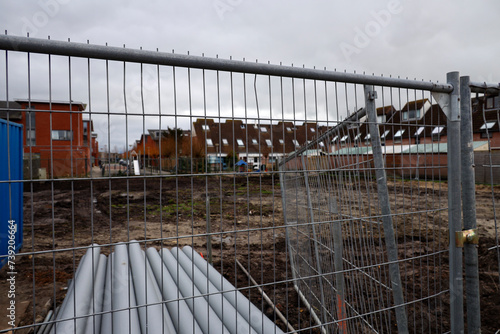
269	143
240	142
210	143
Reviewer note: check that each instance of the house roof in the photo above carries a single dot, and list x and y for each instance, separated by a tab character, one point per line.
10	108
82	105
239	137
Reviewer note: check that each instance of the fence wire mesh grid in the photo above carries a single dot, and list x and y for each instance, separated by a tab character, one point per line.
165	193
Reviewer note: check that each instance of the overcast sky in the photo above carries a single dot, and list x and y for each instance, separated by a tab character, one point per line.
417	39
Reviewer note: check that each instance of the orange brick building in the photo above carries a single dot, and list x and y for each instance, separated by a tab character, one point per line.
56	134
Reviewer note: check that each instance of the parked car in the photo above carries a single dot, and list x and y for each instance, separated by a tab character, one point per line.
124	162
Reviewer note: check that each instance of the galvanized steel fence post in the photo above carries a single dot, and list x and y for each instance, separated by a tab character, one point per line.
455	205
469	209
383	200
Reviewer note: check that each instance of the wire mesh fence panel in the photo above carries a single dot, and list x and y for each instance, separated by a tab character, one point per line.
335	220
175	193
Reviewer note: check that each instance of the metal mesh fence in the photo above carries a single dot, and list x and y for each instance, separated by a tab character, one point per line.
335	219
323	205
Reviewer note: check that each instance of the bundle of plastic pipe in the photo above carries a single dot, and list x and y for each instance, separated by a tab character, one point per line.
165	291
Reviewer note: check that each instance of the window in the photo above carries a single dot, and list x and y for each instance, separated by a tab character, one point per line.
281	141
313	130
254	141
485	129
386	132
30	128
419	131
205	127
209	142
289	129
368	136
269	143
62	135
357	136
436	133
242	126
399	133
489	103
381	118
411	114
398	137
344	139
321	144
335	139
263	129
487	125
240	142
224	141
295	142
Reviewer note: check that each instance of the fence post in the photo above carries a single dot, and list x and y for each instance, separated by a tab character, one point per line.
383	199
469	209
455	205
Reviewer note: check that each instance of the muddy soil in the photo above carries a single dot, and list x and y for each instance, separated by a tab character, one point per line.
246	220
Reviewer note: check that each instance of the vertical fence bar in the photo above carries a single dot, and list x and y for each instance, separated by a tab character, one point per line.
469	208
455	205
383	199
209	231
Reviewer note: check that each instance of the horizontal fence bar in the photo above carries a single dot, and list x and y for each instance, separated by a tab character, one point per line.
484	87
36	45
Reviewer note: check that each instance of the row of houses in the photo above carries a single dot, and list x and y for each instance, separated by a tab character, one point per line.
417	132
57	140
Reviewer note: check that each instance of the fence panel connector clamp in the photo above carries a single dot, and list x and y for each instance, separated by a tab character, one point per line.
467	237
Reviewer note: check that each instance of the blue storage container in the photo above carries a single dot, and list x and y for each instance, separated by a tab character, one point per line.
11	193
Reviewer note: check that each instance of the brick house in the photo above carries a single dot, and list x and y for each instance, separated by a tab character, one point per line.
55	135
257	144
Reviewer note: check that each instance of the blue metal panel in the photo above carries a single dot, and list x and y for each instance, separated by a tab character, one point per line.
11	190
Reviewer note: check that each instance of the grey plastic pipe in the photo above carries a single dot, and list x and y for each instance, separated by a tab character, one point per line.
179	311
77	302
154	319
106	320
122	293
227	312
249	311
93	322
203	313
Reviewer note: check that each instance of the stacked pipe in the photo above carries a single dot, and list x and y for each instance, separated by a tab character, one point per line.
165	291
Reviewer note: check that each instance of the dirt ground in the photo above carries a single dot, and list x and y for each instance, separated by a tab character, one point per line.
246	223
